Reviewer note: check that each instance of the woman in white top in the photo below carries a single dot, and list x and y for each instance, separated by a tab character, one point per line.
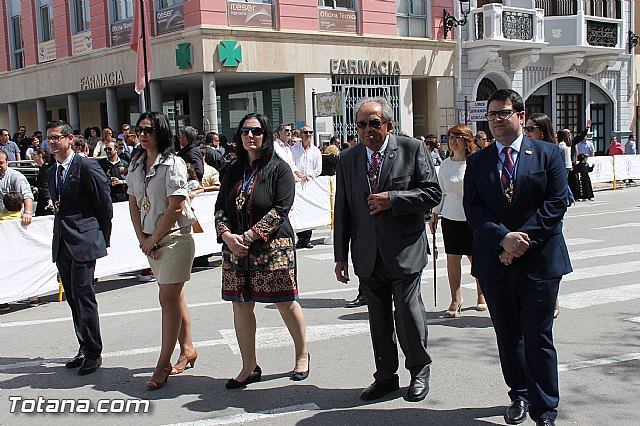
456	232
107	136
162	217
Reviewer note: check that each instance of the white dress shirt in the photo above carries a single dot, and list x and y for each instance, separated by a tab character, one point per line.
308	161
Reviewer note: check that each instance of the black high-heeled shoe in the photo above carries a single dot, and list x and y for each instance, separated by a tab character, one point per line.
301	375
255	376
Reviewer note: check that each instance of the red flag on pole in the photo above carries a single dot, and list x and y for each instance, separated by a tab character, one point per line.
140	44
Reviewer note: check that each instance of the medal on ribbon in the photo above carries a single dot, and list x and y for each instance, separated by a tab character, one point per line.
146	204
509	191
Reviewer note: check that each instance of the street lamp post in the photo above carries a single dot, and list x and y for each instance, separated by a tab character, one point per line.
450	21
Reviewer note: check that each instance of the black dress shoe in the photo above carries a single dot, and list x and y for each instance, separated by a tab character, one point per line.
255	376
356	303
418	389
516	413
76	361
379	389
89	365
301	375
545	422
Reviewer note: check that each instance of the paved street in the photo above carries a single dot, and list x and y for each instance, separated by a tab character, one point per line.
597	335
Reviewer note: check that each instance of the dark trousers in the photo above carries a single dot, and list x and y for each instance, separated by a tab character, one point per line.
522	315
304	237
77	280
382	290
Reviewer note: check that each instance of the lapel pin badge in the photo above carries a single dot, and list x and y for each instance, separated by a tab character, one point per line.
528	152
392	155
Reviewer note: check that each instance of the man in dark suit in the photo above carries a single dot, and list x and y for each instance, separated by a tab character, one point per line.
515	196
81	231
384	187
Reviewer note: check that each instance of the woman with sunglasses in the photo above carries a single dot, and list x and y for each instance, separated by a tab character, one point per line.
258	256
456	232
162	217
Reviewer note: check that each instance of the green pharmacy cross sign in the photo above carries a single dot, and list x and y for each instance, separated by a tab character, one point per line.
183	56
230	53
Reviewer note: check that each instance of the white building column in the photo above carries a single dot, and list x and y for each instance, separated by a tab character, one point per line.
13	118
74	110
195	108
156	96
112	108
209	104
41	111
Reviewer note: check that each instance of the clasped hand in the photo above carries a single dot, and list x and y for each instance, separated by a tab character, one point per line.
236	244
515	244
378	202
149	247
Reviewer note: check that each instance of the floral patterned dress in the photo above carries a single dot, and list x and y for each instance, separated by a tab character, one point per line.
268	273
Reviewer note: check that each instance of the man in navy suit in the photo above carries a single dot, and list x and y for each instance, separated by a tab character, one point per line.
81	231
515	194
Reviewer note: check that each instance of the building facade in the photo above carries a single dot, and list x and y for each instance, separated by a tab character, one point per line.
568	59
214	60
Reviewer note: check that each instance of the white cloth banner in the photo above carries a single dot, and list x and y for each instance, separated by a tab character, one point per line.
602	169
27	269
627	167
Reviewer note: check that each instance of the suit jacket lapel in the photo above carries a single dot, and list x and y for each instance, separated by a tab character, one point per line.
524	161
390	155
71	176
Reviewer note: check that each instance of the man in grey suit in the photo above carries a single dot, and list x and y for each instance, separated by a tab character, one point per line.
384	186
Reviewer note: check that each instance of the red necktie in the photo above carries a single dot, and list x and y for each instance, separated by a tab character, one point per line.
373	171
507	167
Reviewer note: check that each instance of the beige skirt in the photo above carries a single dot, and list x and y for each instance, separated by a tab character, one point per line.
174	258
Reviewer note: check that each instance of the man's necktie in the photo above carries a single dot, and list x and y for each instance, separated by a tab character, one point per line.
507	168
373	171
60	180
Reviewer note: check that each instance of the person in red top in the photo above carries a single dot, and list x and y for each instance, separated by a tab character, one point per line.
615	147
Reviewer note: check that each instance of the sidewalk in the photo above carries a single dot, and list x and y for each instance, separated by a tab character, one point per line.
608	186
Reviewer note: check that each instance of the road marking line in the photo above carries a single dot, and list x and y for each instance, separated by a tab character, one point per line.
251	417
158	309
622	225
605	251
602	296
601	213
634	319
579	241
598	362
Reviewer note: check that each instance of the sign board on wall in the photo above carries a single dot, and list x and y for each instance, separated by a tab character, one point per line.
47	51
121	32
477	110
170	19
345	21
81	43
247	14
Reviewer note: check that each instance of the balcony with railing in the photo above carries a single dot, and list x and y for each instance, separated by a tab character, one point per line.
495	27
594	27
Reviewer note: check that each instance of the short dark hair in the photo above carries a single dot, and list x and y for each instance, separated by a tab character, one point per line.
13	201
208	140
65	128
282	126
351	137
507	95
162	131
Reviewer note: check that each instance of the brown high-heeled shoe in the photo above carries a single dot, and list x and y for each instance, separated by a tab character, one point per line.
453	313
157	384
184	361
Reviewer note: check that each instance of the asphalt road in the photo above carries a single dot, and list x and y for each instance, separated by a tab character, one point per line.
597	336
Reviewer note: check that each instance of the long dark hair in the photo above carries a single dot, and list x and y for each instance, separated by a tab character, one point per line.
264	163
161	131
544	123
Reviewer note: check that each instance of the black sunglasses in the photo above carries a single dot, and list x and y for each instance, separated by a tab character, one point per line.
374	123
530	129
146	130
256	131
307	132
108	149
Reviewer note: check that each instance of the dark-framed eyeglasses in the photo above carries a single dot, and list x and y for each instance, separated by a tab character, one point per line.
373	123
530	129
502	114
307	132
286	130
255	131
56	138
452	137
146	130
